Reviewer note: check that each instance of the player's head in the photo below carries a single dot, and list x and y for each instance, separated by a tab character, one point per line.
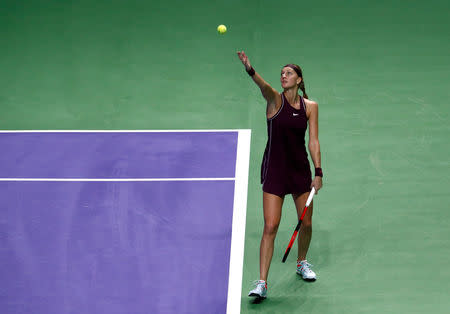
292	76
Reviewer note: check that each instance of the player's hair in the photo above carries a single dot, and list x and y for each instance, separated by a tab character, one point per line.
298	70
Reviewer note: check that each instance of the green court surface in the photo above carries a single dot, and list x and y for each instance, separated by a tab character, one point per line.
378	69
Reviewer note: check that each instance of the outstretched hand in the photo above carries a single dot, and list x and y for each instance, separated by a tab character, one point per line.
244	59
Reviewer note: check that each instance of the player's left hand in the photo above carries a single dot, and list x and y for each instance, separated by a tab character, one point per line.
317	183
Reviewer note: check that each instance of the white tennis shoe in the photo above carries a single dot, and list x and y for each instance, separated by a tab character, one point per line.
260	290
304	270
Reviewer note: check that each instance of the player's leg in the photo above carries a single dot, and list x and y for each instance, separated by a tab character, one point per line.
305	233
304	236
272	205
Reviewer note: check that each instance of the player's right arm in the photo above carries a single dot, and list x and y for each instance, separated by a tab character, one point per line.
272	96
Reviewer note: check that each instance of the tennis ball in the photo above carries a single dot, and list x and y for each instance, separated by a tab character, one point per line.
222	29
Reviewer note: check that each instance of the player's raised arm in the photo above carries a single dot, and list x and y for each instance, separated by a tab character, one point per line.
269	94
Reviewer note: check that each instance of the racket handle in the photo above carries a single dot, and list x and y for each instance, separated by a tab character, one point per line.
310	197
308	202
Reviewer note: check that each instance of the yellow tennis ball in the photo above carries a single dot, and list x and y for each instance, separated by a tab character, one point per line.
222	29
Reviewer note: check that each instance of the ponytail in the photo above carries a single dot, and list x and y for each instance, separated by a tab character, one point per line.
302	87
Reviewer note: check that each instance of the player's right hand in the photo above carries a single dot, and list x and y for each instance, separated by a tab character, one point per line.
244	59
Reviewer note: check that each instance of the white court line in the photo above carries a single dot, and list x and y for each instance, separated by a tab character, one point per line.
112	179
238	228
118	131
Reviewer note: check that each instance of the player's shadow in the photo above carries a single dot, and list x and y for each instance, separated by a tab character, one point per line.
257	300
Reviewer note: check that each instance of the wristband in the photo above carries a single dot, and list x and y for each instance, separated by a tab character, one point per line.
318	172
251	71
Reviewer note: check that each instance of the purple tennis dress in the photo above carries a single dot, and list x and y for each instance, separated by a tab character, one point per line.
285	167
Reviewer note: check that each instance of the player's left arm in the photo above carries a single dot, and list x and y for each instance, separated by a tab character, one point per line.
313	145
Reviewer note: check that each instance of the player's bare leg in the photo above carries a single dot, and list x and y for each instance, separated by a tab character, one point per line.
272	205
304	236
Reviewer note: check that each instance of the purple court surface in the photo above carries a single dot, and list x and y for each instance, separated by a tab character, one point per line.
120	222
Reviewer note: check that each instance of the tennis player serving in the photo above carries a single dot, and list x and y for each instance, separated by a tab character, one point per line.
285	167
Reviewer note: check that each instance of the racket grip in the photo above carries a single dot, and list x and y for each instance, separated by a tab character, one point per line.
310	197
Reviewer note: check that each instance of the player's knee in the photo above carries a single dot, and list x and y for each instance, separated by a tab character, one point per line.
270	229
307	224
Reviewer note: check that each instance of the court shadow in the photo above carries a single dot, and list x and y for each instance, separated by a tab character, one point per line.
308	281
257	300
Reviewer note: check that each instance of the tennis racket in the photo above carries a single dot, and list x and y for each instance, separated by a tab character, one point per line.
308	201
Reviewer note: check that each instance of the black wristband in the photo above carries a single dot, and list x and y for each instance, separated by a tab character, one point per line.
251	71
318	172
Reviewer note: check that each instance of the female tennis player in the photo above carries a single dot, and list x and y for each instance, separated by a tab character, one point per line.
285	167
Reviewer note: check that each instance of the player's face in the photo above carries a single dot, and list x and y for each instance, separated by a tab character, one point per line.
289	78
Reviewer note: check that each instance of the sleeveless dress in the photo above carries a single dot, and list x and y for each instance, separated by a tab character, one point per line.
285	167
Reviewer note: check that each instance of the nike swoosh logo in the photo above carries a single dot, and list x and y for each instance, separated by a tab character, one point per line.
295	114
